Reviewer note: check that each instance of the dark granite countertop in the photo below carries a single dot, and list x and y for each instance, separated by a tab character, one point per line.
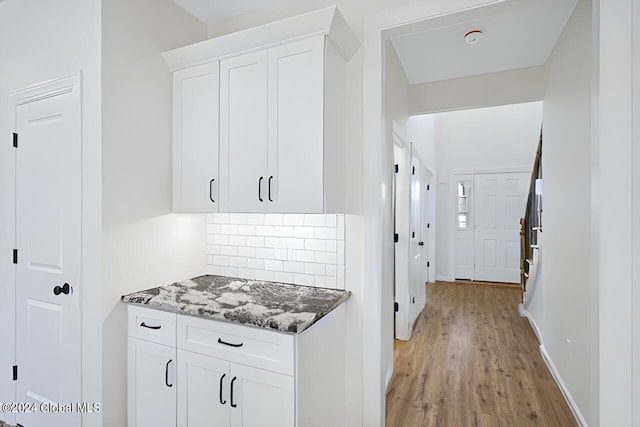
277	306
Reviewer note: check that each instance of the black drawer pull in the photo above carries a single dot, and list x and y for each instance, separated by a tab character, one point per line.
144	325
233	405
166	374
228	343
222	402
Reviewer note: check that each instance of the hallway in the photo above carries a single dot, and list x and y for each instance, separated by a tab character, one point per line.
473	361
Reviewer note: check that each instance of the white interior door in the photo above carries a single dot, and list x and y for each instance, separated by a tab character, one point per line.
402	218
500	201
416	270
48	227
243	133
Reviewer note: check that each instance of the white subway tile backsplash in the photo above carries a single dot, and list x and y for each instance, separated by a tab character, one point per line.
306	249
304	232
256	241
238	240
304	279
293	266
229	229
313	268
280	276
238	218
307	256
247	252
264	275
247	230
221	260
293	219
274	219
265	230
314	220
325	233
255	263
255	219
314	245
273	265
265	253
283	231
326	257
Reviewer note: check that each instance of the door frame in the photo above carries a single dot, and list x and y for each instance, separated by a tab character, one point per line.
453	198
47	89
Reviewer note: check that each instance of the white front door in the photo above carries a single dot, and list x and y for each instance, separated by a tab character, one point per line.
500	201
48	227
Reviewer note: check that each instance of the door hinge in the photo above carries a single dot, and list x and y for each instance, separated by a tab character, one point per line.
395	168
413	234
413	300
428	187
413	170
15	372
428	225
428	264
15	140
15	256
396	307
395	238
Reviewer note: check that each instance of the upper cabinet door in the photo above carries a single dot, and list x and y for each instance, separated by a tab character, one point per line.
195	138
295	178
243	133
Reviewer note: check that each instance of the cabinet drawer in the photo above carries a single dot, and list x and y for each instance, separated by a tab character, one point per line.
152	325
247	345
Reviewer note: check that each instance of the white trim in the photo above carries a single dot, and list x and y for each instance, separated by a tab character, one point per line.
513	169
441	278
327	21
553	370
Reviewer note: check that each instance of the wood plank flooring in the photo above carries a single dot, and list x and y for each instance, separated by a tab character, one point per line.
473	361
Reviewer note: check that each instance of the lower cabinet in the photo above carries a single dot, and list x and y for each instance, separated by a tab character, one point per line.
152	384
185	371
231	394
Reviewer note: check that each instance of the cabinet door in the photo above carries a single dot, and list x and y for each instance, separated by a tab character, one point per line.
203	390
261	398
195	138
151	384
296	160
243	133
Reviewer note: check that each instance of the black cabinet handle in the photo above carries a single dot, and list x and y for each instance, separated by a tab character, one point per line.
233	405
144	325
166	374
260	189
211	190
228	343
65	289
222	402
270	178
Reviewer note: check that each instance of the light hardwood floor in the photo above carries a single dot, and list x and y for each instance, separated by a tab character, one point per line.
473	361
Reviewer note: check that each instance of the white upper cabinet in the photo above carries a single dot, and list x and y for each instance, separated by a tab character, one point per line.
195	138
281	116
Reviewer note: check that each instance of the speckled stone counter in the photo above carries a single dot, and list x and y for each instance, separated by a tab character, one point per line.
278	306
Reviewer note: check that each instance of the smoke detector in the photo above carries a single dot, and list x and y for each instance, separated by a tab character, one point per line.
473	36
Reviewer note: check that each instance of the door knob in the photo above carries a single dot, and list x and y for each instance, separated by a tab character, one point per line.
65	289
420	243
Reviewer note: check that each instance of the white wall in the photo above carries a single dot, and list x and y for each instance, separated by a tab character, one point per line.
66	42
560	301
422	133
396	89
485	138
144	245
485	90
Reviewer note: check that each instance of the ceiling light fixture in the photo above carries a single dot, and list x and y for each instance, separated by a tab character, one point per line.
473	36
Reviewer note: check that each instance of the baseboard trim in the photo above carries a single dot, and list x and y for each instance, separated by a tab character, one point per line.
577	415
445	279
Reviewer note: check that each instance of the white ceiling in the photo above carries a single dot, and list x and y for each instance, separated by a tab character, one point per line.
517	34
